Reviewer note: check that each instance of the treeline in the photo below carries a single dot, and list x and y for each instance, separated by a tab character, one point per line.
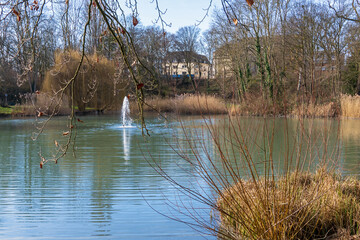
275	49
289	50
40	48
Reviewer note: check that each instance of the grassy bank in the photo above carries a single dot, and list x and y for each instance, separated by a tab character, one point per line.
17	111
185	104
6	110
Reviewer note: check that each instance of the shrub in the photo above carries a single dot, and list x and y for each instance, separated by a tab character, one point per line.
301	205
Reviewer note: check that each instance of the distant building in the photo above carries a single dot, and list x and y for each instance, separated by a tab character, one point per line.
179	64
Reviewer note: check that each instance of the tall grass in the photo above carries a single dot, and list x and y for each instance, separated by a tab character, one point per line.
199	104
267	189
330	109
186	104
350	106
299	206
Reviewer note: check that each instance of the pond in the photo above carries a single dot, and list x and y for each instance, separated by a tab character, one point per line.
109	190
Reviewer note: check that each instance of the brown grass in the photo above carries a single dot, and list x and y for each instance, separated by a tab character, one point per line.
299	206
330	109
185	104
350	106
252	106
199	104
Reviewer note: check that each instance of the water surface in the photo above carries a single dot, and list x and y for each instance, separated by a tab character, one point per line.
109	190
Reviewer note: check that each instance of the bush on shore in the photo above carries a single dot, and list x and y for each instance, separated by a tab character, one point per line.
298	206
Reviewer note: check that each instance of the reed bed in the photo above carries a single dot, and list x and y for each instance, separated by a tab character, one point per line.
327	110
199	104
185	104
350	106
252	106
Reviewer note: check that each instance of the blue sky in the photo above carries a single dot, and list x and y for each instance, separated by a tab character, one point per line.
179	12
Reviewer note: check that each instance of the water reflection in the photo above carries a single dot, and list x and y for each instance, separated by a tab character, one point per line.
104	192
126	143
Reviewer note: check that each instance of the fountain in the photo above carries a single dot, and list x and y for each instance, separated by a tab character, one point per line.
125	113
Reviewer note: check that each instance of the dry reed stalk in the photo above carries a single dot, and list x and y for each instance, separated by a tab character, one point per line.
185	104
199	104
350	106
319	110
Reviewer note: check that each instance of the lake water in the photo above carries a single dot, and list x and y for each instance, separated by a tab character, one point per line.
109	191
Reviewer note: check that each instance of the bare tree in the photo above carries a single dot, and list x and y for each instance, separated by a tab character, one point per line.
187	42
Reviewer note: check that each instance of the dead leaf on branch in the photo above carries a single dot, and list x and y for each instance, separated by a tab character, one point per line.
122	30
139	86
135	21
43	160
235	21
17	14
250	2
35	6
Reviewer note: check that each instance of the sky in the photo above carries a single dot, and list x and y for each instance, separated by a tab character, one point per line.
179	13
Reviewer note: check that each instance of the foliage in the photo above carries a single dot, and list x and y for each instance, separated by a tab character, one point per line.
351	77
6	110
96	86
